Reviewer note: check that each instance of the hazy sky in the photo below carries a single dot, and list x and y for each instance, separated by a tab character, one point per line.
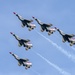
49	55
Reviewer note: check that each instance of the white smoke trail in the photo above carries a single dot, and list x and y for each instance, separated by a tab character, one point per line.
71	56
53	65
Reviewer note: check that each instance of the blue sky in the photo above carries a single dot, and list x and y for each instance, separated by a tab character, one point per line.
61	13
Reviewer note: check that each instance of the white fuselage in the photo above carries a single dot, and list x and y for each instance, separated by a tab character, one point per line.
72	39
28	44
28	63
51	29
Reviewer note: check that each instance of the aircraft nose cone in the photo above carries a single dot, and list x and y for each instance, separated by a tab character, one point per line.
33	17
14	13
10	52
11	33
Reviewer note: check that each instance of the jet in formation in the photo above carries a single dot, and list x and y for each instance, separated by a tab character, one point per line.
67	37
23	42
25	62
26	22
45	27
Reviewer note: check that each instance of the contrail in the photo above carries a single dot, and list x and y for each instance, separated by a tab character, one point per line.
71	56
53	65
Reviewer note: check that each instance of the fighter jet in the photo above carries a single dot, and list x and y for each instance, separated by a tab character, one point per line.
25	42
45	26
25	62
25	22
65	37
